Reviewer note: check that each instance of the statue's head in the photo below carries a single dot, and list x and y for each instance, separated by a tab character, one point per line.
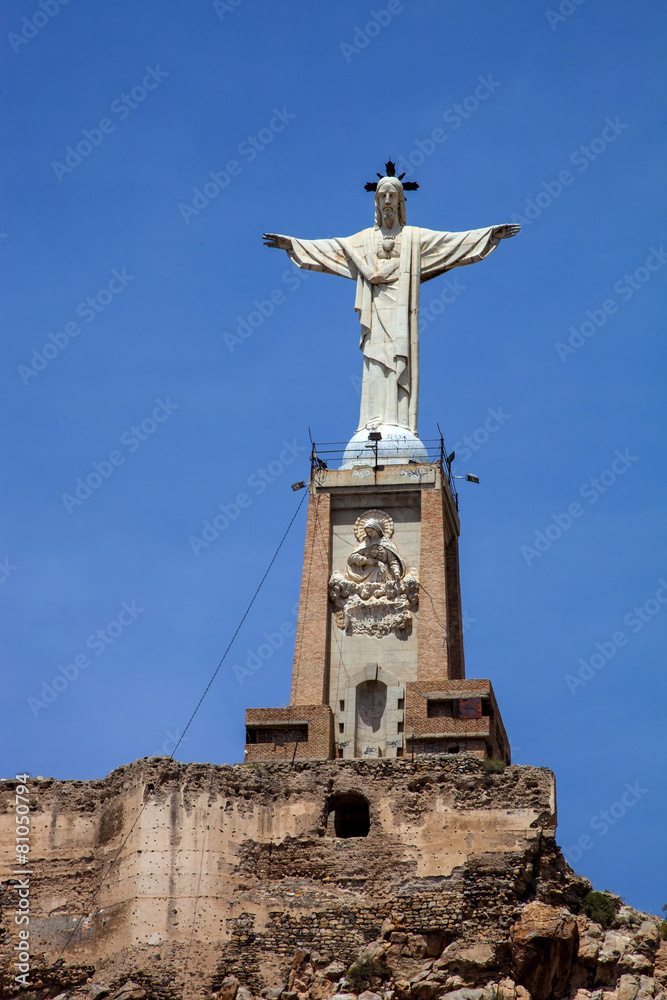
373	530
389	203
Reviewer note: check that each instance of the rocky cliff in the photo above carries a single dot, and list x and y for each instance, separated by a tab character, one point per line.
192	881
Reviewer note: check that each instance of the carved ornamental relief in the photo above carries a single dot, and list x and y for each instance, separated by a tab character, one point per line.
376	593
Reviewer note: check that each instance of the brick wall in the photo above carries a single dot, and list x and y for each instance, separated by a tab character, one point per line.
485	734
432	661
444	744
309	673
454	614
319	745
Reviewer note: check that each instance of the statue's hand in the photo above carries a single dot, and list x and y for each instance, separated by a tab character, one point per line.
383	279
278	242
504	232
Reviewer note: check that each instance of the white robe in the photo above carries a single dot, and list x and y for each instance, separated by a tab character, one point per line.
389	312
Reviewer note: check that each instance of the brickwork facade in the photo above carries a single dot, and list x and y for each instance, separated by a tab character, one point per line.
301	732
439	731
309	673
362	678
434	650
455	663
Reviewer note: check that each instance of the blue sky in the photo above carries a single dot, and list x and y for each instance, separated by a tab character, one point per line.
137	286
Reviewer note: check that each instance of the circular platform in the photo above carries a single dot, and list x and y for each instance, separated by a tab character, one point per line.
398	446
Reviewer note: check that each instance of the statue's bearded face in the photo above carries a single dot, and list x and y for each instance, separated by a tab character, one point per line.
387	199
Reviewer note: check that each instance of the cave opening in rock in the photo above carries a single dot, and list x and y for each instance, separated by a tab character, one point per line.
348	815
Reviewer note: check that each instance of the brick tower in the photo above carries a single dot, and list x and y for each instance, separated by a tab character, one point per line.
379	663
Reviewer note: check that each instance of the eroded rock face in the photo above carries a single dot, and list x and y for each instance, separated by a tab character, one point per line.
660	970
544	943
288	912
544	950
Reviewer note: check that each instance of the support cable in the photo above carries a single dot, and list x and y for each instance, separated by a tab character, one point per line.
91	908
238	627
129	833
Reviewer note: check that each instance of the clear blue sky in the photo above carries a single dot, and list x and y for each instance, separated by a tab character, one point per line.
566	131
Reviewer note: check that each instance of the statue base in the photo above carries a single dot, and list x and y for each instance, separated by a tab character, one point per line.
398	446
379	665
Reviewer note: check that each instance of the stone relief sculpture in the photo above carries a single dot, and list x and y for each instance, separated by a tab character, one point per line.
375	594
376	558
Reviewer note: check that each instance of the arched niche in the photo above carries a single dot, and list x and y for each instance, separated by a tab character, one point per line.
348	815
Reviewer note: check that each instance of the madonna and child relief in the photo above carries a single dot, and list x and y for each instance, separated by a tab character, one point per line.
376	593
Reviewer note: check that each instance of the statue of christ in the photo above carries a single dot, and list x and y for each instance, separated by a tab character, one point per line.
389	262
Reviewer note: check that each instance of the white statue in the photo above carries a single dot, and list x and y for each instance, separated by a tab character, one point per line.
389	262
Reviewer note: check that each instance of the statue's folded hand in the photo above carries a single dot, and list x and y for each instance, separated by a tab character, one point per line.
382	279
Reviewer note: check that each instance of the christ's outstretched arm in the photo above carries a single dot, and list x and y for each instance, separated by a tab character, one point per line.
314	255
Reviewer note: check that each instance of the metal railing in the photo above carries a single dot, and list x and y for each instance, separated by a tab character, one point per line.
330	454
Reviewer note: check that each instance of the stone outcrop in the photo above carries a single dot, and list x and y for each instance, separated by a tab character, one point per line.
232	882
547	954
544	942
